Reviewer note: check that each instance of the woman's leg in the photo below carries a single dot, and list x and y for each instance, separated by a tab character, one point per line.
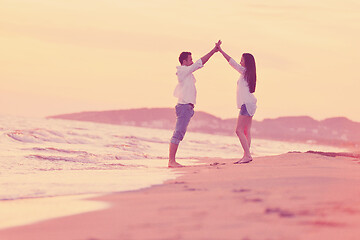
248	132
243	133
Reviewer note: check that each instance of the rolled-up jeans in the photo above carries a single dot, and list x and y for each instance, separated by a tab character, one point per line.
184	112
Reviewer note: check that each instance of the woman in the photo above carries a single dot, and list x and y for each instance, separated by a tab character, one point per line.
246	101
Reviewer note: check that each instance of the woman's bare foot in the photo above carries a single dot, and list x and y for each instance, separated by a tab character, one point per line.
174	164
245	159
237	162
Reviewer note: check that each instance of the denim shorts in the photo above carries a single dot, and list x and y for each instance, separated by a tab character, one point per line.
184	113
243	111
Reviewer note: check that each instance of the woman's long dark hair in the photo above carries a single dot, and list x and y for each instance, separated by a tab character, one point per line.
250	73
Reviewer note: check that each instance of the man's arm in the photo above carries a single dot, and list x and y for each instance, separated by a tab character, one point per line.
195	66
205	58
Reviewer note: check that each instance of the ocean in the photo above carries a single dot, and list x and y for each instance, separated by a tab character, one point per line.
50	157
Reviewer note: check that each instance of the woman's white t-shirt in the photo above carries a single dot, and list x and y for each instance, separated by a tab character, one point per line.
243	95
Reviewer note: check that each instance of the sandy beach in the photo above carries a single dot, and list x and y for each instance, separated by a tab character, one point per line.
96	97
290	196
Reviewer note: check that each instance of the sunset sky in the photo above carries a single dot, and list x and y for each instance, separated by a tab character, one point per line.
83	55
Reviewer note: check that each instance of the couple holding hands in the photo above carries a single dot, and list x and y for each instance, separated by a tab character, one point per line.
185	91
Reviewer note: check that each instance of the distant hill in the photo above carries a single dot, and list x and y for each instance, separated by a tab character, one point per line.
332	131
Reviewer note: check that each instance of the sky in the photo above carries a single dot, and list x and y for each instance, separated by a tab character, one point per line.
91	55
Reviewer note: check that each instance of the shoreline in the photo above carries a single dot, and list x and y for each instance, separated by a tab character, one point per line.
288	196
39	209
27	211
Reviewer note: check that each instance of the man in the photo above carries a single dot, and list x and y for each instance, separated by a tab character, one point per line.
185	91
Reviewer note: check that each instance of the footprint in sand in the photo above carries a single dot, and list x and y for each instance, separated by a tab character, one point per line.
241	190
194	189
216	164
280	212
178	182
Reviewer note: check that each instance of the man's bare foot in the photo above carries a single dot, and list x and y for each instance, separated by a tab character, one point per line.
174	164
244	160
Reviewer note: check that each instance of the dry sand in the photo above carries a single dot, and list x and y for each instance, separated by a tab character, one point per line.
291	196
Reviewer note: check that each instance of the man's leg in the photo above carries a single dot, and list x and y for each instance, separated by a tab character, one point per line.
184	114
172	152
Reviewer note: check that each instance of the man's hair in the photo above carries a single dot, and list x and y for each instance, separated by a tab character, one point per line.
183	56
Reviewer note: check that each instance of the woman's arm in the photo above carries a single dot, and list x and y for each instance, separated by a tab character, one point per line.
226	56
231	61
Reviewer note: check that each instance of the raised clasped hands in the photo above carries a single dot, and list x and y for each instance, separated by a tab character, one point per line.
217	45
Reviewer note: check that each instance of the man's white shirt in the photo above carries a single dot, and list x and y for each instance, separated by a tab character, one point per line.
185	90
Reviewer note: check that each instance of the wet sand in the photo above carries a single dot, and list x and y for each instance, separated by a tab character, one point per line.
290	196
